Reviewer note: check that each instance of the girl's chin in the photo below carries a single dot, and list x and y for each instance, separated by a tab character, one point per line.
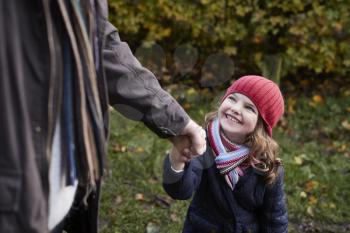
229	126
234	136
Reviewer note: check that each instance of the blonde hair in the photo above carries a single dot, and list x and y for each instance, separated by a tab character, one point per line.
263	149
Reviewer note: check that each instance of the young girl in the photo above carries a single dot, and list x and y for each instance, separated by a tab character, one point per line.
238	181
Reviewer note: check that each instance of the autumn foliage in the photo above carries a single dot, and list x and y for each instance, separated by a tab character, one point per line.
308	36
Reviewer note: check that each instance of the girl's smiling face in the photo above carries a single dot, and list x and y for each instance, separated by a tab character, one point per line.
238	117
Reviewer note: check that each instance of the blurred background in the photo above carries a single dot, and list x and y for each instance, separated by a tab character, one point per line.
196	49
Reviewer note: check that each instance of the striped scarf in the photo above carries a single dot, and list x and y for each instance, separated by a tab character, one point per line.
226	161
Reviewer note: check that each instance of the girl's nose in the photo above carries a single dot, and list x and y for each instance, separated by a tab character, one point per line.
236	108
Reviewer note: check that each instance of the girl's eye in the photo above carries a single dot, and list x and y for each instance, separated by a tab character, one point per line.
232	98
250	108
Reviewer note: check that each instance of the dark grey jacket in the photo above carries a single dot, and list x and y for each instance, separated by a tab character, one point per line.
251	207
31	61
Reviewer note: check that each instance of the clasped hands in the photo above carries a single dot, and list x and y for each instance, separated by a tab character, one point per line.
191	142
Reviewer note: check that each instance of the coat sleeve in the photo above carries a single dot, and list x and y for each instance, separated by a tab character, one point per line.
274	210
135	92
181	185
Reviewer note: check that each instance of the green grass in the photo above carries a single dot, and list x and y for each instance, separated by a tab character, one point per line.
314	139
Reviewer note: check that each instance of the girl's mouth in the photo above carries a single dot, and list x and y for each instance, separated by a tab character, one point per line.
233	119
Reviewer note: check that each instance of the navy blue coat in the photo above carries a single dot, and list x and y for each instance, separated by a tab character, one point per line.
253	206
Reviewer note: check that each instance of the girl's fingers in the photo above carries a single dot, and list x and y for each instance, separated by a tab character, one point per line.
186	155
186	152
183	159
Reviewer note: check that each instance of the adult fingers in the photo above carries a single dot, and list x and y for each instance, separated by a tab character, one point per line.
198	143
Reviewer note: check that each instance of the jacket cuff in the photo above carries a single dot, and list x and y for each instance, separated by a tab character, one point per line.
168	121
169	175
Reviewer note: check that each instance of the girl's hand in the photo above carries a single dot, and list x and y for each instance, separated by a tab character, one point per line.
180	153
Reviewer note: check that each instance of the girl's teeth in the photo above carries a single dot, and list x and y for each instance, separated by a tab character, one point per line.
232	119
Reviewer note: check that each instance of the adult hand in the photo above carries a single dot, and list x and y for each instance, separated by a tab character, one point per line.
192	138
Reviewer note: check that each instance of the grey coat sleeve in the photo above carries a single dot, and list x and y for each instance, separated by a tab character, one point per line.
135	92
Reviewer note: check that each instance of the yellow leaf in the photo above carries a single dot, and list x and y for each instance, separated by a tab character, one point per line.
291	104
191	91
303	194
342	148
140	149
298	160
317	99
187	106
310	211
166	32
230	50
312	200
346	124
332	205
119	148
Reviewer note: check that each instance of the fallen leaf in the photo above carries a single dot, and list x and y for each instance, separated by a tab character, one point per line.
313	200
162	201
303	194
317	99
187	106
342	148
166	78
119	148
191	91
140	149
174	217
311	185
346	124
152	181
291	104
139	197
257	39
152	228
298	160
338	27
310	211
118	200
230	50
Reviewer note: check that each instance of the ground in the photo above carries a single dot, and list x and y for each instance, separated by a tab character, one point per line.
314	138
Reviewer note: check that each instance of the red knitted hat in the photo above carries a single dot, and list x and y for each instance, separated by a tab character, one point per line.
265	94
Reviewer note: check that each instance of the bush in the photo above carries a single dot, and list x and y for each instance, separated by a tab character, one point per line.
308	35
